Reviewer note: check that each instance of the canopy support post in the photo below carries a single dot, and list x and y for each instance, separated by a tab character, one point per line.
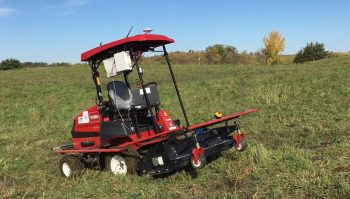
95	77
175	84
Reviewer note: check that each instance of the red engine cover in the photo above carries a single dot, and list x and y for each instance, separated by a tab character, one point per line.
86	130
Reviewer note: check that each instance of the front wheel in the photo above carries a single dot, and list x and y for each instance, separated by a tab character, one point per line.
241	146
71	166
200	163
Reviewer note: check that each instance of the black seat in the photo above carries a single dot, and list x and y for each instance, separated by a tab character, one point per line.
131	107
120	95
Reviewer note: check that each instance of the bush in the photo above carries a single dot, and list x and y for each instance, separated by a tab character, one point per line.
34	64
59	64
338	54
221	54
311	52
9	64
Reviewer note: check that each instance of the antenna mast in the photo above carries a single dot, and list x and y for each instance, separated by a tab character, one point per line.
129	32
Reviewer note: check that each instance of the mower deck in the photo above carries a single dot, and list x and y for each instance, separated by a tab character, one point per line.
178	153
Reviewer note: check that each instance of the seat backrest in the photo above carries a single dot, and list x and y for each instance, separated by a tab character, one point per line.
139	100
120	95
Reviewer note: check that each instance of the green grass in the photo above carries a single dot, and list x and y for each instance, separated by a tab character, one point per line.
299	141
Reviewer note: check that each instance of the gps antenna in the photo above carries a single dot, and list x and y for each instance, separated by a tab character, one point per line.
129	32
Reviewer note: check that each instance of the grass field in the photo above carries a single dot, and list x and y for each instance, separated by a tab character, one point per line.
299	141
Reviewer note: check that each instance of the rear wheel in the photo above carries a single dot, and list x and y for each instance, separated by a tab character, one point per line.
71	166
123	163
132	158
116	164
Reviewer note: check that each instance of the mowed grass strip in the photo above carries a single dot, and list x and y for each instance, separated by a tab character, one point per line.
299	141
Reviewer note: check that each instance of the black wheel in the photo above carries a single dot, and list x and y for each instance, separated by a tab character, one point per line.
241	146
71	166
202	161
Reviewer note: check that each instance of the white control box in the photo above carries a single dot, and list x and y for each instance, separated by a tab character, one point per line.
120	62
110	68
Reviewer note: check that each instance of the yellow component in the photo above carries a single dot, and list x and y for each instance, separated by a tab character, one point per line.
98	81
218	115
165	113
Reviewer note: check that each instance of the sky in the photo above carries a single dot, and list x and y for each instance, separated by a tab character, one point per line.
60	30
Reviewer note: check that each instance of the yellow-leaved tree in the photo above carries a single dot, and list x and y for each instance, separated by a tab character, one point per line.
274	44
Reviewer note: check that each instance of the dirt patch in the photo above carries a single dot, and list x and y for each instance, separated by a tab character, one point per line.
2	188
342	169
323	145
317	158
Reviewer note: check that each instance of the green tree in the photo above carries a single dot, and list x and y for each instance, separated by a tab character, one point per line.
311	52
221	54
9	64
274	45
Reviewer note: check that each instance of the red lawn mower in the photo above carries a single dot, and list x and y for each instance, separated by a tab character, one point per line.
130	132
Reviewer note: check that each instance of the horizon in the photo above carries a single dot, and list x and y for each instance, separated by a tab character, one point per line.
60	30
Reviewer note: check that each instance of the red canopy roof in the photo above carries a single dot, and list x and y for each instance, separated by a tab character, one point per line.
142	42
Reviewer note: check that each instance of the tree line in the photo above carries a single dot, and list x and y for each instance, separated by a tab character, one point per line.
269	55
9	64
216	54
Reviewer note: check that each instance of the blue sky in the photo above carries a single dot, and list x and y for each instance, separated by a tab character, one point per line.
59	30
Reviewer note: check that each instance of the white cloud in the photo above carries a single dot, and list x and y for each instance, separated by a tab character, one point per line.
6	11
